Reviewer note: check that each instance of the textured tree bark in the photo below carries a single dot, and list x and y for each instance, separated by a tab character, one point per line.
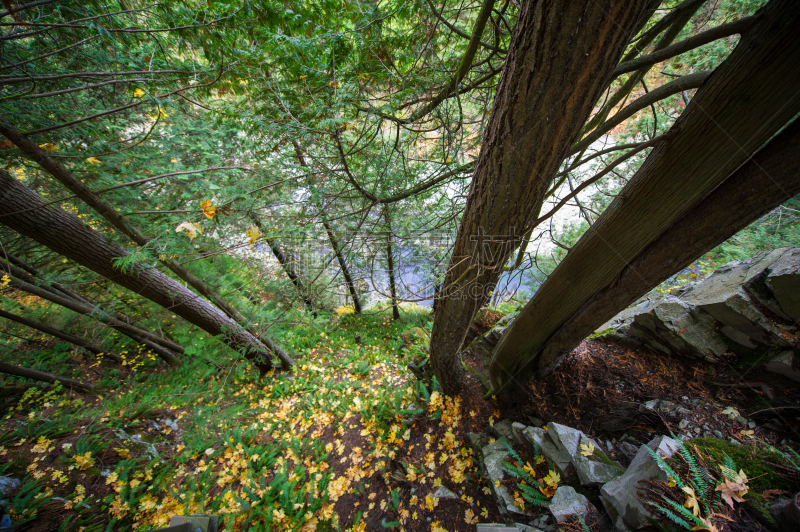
99	315
302	293
351	287
74	340
771	177
561	57
116	320
744	102
390	264
119	222
23	211
43	376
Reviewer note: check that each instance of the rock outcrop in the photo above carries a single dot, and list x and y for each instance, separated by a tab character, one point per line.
749	307
582	464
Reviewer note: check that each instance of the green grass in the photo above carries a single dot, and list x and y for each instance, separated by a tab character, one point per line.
248	450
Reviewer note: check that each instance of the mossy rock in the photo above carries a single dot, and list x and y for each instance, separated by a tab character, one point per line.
487	317
414	335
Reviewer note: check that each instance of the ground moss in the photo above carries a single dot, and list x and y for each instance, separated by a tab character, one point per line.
754	461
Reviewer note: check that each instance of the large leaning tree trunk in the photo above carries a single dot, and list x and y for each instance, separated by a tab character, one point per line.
560	59
37	375
59	294
124	226
88	310
770	178
25	212
74	340
747	99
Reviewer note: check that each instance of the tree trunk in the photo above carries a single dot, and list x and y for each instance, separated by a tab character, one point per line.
302	293
115	320
119	222
43	376
96	349
762	184
65	234
96	313
390	264
560	59
745	101
343	265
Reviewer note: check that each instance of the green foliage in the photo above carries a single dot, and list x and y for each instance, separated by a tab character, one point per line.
530	488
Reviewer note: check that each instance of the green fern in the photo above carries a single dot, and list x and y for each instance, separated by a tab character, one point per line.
528	485
666	468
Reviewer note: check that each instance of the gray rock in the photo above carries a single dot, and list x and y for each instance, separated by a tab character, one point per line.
717	434
627	449
750	303
503	429
783	281
567	502
7	484
170	423
444	493
622	321
650	405
535	421
518	428
783	363
491	338
722	296
683	424
149	449
494	455
673	326
593	470
559	457
620	495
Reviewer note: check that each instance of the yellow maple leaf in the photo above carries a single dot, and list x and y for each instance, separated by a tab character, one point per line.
552	479
192	229
470	517
587	449
84	461
253	234
138	93
5	280
208	210
431	502
48	146
93	160
691	500
122	451
485	513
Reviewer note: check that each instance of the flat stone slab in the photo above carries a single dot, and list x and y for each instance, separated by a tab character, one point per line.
619	496
550	450
567	502
593	470
494	456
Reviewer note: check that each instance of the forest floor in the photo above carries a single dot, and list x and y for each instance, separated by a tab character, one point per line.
350	441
